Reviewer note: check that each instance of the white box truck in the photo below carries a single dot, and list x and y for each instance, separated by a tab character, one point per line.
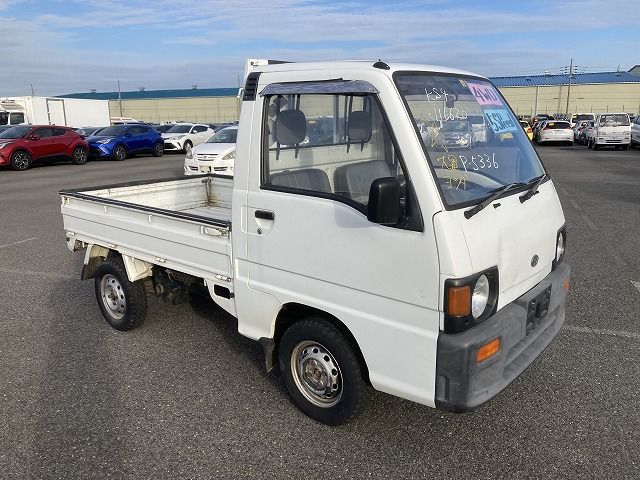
360	256
70	112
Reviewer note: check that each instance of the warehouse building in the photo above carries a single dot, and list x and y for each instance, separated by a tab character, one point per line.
527	94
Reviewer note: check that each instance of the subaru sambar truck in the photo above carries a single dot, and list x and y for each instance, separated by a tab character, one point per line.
366	257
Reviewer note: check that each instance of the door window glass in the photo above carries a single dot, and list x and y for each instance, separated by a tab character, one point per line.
43	132
332	146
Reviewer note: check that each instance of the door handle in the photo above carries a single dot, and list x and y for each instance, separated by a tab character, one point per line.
264	214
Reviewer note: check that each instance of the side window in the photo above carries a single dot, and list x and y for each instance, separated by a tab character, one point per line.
328	145
135	130
57	132
43	132
199	129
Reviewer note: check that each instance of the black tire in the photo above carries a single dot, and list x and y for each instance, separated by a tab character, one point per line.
589	144
595	146
79	156
20	160
318	345
122	303
119	153
158	149
187	146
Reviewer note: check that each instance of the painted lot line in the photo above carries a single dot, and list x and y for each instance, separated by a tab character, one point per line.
17	243
39	274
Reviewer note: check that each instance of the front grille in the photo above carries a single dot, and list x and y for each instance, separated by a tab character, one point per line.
205	157
169	146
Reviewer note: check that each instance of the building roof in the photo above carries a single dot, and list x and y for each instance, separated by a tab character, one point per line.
577	79
151	94
510	81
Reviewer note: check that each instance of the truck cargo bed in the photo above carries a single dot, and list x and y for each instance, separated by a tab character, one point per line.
183	224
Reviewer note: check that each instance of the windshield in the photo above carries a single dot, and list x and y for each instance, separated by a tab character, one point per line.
114	131
494	153
15	132
179	129
614	120
224	136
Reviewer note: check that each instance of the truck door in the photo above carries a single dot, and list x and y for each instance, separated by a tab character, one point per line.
55	111
309	240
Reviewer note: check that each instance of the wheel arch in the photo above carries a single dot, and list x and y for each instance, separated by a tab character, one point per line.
291	313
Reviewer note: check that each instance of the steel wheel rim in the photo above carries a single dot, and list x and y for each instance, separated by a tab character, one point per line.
21	160
113	297
316	374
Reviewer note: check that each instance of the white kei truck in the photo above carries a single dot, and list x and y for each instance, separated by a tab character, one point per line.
361	256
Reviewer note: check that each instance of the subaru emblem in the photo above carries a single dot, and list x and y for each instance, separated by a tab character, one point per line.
534	260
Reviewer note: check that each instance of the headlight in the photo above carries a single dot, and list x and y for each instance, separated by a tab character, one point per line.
480	296
229	156
104	140
176	138
469	301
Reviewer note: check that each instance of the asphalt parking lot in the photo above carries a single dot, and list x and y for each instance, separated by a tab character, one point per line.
185	396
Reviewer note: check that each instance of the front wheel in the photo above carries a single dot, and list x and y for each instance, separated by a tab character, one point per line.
321	372
595	146
20	160
187	146
79	156
123	303
120	153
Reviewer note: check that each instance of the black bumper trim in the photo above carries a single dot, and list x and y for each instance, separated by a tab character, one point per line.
462	384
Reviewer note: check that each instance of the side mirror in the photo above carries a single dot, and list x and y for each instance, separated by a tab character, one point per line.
384	207
34	137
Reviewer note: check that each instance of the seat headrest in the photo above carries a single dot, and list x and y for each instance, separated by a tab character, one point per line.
359	128
290	127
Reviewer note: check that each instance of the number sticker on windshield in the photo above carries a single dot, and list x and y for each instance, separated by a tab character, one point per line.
485	94
500	120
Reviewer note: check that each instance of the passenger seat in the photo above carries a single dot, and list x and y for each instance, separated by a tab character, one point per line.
305	179
354	181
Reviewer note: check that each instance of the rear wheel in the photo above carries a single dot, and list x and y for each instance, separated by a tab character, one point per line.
120	153
321	371
158	149
123	303
20	160
79	156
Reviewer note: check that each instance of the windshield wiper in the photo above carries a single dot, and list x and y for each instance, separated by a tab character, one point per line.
494	195
533	189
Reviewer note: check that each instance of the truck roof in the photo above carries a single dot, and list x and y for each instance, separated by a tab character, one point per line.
365	65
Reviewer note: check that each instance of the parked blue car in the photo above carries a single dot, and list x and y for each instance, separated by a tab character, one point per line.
119	141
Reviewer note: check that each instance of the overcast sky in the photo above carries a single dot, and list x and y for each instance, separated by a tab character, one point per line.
67	46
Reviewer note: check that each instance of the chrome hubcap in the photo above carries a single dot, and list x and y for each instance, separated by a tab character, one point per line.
113	296
316	374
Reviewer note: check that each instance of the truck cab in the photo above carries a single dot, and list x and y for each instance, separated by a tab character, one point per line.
370	255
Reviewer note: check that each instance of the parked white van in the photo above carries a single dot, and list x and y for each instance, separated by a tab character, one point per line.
611	129
363	257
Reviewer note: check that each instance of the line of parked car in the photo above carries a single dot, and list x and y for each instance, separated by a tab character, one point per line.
23	145
596	131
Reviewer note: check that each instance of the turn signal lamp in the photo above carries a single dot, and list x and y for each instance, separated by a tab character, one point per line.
459	301
488	350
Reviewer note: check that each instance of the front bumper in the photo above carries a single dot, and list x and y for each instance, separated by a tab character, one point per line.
613	140
173	145
99	151
462	384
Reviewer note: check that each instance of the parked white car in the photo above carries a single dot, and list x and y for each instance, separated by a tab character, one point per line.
216	155
580	117
555	131
183	136
635	132
611	129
